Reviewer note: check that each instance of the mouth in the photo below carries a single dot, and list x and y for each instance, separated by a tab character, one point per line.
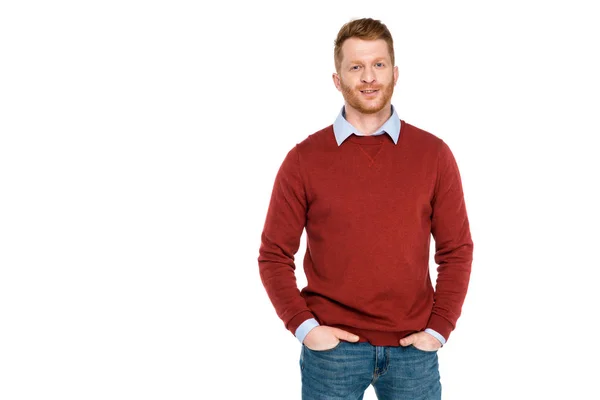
369	91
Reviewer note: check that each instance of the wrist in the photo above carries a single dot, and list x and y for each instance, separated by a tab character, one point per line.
436	335
304	328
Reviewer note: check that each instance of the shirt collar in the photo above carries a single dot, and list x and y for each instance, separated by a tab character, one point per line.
342	129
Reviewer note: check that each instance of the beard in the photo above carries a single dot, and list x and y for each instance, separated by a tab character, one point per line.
366	106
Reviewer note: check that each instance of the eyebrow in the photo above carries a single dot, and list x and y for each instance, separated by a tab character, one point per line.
376	60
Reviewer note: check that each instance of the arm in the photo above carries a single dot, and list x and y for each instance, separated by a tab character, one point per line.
453	245
280	239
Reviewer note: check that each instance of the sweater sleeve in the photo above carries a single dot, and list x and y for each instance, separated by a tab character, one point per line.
280	239
453	245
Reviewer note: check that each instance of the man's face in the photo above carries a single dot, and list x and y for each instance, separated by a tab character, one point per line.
366	77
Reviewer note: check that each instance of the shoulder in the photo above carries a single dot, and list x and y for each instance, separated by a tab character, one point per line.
419	136
431	146
313	146
321	138
317	143
420	140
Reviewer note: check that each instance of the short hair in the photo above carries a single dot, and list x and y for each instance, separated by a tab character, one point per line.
366	29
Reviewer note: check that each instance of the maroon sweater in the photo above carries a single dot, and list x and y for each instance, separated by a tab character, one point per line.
369	208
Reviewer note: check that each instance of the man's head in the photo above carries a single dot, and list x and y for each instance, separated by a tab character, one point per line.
364	63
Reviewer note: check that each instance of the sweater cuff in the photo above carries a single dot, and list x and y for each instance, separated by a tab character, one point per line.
298	319
441	325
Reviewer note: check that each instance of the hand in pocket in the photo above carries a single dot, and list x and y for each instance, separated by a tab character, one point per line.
323	338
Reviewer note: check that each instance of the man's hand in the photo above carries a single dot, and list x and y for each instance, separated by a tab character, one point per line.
323	337
422	341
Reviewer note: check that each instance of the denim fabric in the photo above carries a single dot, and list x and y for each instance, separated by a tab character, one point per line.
347	370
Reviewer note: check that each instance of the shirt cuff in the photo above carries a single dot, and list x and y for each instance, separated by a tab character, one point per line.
304	328
436	335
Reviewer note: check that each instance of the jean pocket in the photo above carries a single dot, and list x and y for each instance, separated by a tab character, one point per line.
423	351
337	346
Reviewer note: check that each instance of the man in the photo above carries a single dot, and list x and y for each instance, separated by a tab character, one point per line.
370	190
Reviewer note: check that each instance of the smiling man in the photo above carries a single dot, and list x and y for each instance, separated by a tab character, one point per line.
370	190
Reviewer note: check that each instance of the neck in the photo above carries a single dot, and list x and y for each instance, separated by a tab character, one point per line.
367	123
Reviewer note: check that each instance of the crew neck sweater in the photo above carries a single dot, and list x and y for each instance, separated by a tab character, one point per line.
369	207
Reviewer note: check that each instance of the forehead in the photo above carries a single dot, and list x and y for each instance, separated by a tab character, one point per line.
355	49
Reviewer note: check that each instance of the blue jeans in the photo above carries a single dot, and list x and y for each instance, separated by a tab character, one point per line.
347	370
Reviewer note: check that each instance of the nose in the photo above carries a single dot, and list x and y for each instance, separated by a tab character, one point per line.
368	75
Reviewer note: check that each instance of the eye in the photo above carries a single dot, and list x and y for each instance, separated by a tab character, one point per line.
355	67
379	64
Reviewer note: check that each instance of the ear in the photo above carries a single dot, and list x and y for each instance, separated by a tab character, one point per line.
336	81
395	74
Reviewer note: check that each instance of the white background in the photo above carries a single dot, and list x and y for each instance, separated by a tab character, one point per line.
139	143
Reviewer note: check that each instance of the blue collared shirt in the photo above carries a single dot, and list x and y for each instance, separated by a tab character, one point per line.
342	129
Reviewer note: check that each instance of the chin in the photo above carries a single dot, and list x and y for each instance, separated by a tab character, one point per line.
371	109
